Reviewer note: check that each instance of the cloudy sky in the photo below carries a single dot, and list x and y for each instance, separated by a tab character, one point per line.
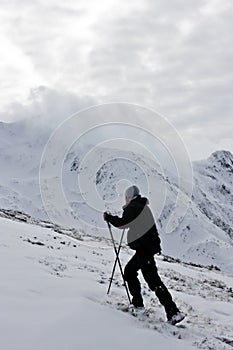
174	56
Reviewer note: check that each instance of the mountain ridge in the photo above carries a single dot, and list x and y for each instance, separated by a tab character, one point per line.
204	235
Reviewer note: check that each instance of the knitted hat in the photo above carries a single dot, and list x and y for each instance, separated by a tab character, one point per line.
131	192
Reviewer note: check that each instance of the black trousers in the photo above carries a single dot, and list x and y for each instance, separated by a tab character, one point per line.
145	262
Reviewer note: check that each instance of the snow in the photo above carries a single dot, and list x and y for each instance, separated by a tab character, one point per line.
53	296
205	234
54	279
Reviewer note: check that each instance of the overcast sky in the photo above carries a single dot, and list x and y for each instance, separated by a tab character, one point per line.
175	56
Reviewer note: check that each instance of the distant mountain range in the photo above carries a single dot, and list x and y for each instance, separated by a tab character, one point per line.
205	235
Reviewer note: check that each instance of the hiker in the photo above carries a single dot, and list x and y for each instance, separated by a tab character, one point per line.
142	236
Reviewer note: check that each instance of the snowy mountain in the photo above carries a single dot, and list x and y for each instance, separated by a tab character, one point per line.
54	280
21	146
213	189
205	234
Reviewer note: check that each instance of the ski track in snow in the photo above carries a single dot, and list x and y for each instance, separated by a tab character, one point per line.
205	296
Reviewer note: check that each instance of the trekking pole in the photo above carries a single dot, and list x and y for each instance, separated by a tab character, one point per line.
114	266
118	260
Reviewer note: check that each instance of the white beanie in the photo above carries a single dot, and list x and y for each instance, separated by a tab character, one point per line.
131	192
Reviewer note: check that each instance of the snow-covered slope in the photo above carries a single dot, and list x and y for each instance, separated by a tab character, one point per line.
204	235
213	191
53	297
21	146
199	238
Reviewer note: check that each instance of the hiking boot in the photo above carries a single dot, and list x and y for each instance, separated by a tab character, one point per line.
137	301
176	318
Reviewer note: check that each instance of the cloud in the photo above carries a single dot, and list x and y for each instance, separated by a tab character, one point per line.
46	107
176	57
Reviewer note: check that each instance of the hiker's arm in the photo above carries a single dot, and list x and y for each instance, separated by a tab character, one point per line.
116	221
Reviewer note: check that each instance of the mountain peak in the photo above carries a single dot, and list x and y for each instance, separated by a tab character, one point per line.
222	153
223	158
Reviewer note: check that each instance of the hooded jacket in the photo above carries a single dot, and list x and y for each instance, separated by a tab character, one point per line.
138	219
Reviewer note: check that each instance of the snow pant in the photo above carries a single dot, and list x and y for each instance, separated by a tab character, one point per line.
145	262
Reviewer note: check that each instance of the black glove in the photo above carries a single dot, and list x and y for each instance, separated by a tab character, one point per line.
106	216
